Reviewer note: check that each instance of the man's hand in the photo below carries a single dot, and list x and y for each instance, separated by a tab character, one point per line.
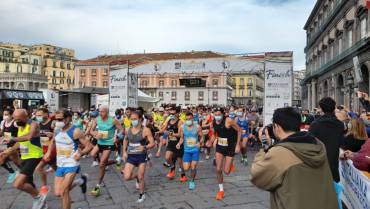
99	136
178	146
77	156
209	143
46	157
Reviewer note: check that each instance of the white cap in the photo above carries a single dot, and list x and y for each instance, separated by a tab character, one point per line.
184	108
161	109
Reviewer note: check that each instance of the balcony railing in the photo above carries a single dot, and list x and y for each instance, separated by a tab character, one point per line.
337	58
323	26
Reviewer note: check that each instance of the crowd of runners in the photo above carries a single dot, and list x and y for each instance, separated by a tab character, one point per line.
41	142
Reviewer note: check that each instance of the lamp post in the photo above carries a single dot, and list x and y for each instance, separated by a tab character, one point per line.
350	82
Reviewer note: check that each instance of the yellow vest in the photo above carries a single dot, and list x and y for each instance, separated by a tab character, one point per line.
28	149
127	122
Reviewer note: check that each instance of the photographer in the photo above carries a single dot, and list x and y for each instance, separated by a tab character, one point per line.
295	170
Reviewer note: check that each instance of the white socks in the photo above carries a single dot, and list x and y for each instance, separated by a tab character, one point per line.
221	186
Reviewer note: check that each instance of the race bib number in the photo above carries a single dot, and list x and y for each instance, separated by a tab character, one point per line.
173	139
244	131
23	150
222	142
45	141
64	153
133	147
7	135
104	134
205	131
191	142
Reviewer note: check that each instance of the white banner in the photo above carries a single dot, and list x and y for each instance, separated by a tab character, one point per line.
356	186
102	100
278	87
123	90
117	90
52	99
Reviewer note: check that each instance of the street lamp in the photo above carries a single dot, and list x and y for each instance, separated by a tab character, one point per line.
350	82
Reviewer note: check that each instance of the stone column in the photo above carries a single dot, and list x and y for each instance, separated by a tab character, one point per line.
334	87
314	94
309	97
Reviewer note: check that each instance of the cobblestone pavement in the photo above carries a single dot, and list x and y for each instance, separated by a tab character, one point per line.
161	193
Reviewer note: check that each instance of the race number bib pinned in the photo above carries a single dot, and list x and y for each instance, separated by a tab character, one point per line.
173	139
133	147
64	153
104	134
222	142
45	141
191	142
24	150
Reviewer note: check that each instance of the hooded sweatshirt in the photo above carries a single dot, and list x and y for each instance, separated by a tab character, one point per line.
296	173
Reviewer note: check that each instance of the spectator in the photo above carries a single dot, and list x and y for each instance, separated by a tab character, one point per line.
330	131
295	170
361	159
307	118
356	135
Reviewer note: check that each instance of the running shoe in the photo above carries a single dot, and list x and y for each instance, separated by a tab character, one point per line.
11	178
183	179
171	174
191	185
44	190
165	164
141	198
220	195
94	164
232	168
38	202
96	191
207	157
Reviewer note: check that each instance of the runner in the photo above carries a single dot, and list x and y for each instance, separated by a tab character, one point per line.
205	125
106	127
227	141
242	122
46	134
192	139
66	139
77	121
161	120
8	128
137	141
173	154
28	137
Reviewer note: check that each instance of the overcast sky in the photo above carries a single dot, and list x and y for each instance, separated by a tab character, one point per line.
96	27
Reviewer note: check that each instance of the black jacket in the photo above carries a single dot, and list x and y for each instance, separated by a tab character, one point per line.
365	104
330	131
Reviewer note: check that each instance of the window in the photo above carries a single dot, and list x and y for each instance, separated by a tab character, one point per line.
105	83
35	62
68	66
174	83
61	65
53	81
161	83
93	83
187	95
144	83
34	69
82	72
363	24
241	92
215	95
250	81
19	68
105	71
61	81
54	64
215	82
173	95
250	93
350	38
200	95
54	73
93	72
177	65
61	74
68	81
7	68
242	81
160	94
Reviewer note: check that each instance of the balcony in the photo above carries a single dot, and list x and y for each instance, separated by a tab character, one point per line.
323	26
326	67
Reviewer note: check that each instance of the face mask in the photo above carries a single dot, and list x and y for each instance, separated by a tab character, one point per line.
172	117
232	116
218	117
189	122
204	117
6	117
21	123
39	119
239	114
135	123
59	125
74	117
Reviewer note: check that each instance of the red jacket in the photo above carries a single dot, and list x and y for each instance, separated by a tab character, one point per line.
361	159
